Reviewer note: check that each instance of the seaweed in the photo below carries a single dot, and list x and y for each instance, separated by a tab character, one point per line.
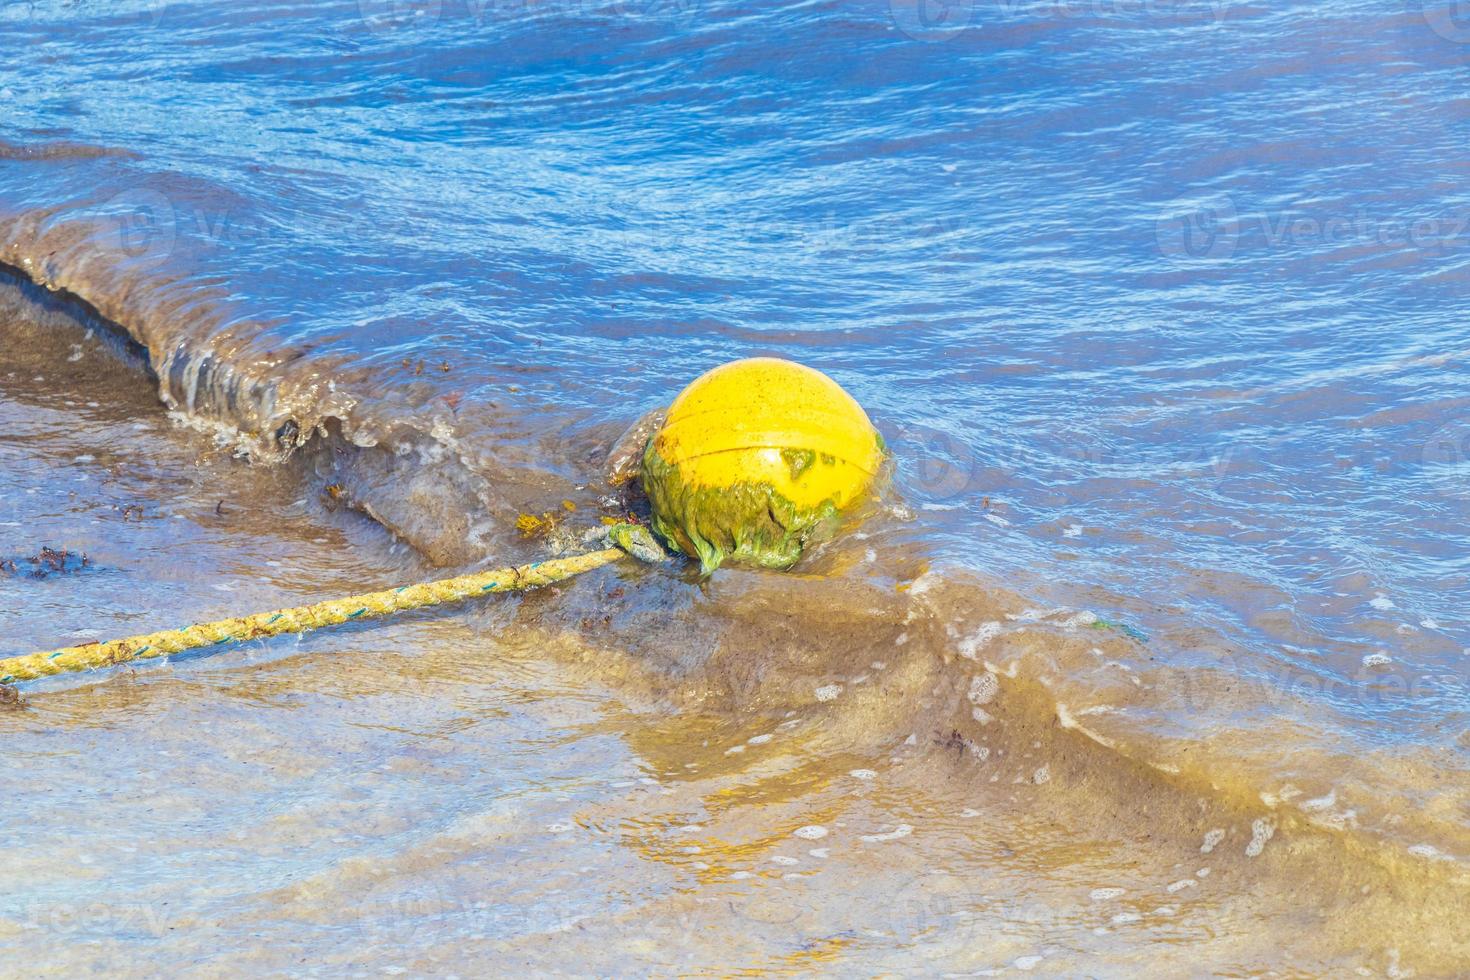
1129	631
45	563
749	522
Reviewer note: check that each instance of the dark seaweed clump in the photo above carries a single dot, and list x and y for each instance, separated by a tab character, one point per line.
46	563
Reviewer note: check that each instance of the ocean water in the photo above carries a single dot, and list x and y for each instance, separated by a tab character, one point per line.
1152	655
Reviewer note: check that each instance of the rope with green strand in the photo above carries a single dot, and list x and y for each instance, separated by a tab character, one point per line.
626	538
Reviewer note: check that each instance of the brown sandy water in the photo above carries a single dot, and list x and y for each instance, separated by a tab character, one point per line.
867	767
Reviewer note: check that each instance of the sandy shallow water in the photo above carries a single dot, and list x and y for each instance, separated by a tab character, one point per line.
576	780
1149	657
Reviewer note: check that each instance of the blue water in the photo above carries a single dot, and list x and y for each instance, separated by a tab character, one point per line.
1159	304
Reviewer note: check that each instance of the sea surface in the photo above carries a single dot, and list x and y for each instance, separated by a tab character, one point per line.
1152	656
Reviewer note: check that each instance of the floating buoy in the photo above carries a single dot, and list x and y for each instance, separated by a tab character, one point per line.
756	459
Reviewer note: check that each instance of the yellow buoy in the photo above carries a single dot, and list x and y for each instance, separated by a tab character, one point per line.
754	459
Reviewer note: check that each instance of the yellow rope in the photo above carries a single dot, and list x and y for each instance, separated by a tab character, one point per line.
301	618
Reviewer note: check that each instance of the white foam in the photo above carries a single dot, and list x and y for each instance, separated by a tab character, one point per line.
983	688
1065	719
923	583
1106	894
1285	794
810	832
1336	819
902	830
1320	803
1212	840
863	774
970	647
1429	852
1262	830
828	692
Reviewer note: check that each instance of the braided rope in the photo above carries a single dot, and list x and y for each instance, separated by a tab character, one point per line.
300	619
